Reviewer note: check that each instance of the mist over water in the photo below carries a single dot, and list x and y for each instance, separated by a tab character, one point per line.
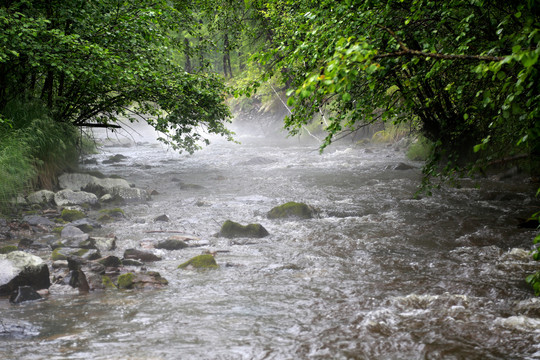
377	275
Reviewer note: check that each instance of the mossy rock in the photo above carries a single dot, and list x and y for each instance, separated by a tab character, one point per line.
114	213
107	282
291	210
58	255
125	281
58	230
72	215
105	218
8	248
204	261
171	244
110	261
231	229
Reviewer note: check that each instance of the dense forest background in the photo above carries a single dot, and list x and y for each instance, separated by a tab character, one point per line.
460	74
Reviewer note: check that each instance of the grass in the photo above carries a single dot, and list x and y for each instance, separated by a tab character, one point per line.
34	149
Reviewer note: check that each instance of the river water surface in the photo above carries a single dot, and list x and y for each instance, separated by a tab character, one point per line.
377	275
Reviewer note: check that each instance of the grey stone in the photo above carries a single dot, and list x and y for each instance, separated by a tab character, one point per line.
19	269
130	194
69	197
40	197
35	220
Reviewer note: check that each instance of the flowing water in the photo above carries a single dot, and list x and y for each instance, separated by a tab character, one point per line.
377	275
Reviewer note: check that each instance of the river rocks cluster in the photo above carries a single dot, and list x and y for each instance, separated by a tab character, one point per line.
52	246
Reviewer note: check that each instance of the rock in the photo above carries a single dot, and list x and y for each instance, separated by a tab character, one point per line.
258	160
20	269
131	262
104	243
140	255
143	280
163	218
171	244
72	215
291	210
40	197
116	213
184	186
115	159
86	225
231	229
130	194
69	197
6	249
65	253
402	166
73	233
110	261
36	220
17	329
205	261
23	294
77	278
89	183
107	198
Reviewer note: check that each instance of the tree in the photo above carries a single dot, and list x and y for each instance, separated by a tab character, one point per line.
94	62
465	71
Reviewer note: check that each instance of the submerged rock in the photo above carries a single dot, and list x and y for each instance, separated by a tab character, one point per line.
23	294
205	261
231	229
171	244
140	255
143	280
163	218
22	269
291	210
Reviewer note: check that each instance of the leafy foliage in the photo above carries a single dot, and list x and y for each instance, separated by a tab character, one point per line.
94	62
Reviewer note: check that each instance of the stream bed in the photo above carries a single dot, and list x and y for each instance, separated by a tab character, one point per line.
377	275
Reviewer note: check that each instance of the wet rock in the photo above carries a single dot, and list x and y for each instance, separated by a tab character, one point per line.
205	261
130	194
131	262
20	269
163	218
70	215
184	186
291	210
231	229
402	166
23	294
143	280
140	255
89	183
171	244
86	225
107	198
103	243
17	329
41	197
69	197
258	160
115	159
110	261
116	213
77	278
73	233
36	220
71	253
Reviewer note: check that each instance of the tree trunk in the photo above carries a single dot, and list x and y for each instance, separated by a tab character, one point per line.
187	53
227	70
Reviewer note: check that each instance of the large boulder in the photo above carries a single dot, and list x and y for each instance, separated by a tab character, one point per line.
18	268
231	229
69	198
291	210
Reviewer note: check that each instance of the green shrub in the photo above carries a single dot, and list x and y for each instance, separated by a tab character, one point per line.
420	149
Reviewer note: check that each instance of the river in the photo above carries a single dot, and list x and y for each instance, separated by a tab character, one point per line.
377	275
